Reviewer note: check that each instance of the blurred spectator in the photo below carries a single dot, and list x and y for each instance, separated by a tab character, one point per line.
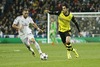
9	9
1	34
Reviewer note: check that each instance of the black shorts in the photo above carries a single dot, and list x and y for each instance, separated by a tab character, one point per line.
63	35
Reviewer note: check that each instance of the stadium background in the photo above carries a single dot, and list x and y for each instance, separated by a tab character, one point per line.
9	9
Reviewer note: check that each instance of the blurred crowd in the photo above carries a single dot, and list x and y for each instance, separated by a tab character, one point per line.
9	9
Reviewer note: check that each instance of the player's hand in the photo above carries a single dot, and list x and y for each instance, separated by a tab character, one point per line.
47	11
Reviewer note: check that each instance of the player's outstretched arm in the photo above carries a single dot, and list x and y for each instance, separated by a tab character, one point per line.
35	25
79	32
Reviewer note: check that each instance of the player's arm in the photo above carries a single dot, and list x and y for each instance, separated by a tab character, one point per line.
16	24
55	12
73	19
35	26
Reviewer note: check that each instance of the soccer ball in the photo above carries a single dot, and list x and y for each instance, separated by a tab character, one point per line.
43	56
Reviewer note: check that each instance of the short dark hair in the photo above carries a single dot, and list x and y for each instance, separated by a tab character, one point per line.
65	4
25	9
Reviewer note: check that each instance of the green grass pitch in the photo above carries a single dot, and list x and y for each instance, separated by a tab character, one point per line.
16	55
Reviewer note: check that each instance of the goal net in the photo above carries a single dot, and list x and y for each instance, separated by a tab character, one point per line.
89	24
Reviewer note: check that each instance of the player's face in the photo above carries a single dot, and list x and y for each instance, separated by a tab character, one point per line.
64	9
52	20
25	14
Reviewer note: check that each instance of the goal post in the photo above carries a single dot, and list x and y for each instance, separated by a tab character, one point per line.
48	28
54	17
89	23
86	14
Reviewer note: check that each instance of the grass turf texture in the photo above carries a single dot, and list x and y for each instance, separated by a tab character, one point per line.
16	55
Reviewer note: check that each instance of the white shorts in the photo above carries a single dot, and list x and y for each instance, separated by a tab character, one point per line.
25	38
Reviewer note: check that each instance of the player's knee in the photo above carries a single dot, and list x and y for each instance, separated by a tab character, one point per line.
33	40
69	46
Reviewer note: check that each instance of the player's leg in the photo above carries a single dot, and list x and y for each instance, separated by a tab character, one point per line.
76	54
69	46
36	45
63	38
55	40
26	41
52	38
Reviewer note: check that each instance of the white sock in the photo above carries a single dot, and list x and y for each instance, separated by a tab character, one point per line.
38	47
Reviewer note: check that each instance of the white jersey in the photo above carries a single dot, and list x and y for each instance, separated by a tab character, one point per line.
24	22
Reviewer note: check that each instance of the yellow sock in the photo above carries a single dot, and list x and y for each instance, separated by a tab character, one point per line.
68	54
76	54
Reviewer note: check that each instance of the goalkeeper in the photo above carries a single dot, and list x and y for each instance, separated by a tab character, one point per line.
53	28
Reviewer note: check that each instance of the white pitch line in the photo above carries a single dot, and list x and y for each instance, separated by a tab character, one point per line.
16	50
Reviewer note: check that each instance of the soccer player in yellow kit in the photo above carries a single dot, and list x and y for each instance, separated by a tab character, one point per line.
64	19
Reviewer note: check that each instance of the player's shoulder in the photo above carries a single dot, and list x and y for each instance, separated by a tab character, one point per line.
19	17
70	14
29	17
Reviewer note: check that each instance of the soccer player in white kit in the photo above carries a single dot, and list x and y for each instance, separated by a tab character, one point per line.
21	23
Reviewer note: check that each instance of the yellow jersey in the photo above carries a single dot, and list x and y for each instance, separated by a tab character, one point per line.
64	22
